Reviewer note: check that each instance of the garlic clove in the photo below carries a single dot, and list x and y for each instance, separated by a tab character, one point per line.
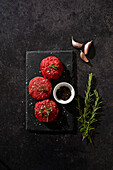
87	46
76	44
83	57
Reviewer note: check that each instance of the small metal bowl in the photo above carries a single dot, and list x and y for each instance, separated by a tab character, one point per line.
58	87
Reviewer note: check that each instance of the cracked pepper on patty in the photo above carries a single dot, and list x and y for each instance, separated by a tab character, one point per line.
40	88
51	67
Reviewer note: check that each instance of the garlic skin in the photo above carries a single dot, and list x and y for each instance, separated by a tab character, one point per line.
76	44
87	46
83	57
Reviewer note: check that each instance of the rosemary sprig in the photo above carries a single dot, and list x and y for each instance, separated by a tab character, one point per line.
53	66
42	89
41	111
49	70
47	111
87	115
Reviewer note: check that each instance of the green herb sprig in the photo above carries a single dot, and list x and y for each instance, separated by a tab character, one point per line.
42	89
49	70
47	110
87	115
53	66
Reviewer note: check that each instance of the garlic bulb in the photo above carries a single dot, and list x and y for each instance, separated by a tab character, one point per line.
87	46
76	44
83	57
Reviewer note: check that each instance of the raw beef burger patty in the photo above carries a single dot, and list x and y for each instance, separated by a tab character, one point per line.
40	88
46	110
51	67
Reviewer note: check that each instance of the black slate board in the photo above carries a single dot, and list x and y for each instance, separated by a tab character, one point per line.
65	121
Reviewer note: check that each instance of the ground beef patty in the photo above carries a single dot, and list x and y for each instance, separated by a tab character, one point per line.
51	67
40	88
46	110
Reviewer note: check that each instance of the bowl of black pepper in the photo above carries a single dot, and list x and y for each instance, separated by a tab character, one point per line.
63	93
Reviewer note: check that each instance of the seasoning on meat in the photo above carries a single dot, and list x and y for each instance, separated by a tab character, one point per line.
40	88
46	110
51	67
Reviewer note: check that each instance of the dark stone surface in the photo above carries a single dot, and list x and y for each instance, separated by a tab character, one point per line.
49	25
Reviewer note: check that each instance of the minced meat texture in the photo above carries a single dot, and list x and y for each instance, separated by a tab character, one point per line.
46	110
40	88
51	67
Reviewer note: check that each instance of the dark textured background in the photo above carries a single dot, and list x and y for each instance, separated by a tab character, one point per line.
49	25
